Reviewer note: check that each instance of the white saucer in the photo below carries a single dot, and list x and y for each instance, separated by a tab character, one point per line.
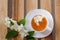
48	15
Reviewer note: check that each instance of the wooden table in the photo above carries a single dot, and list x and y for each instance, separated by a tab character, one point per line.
17	9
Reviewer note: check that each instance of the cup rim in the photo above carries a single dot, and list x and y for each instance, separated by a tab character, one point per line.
44	28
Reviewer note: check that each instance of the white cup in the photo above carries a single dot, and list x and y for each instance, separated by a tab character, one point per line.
46	28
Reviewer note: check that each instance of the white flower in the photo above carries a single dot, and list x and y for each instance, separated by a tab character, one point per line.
22	31
13	21
15	27
20	27
6	21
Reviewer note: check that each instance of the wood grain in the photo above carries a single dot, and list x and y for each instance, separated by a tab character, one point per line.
46	4
17	9
31	5
57	19
3	14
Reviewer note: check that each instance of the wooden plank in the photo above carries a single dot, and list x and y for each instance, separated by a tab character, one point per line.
3	14
46	4
17	9
31	5
17	13
57	19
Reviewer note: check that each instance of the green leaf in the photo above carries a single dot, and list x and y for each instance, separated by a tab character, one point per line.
21	22
29	38
11	34
31	33
11	23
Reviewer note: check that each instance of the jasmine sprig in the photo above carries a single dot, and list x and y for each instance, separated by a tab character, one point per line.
13	32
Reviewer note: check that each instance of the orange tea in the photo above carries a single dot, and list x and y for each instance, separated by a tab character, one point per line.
41	26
